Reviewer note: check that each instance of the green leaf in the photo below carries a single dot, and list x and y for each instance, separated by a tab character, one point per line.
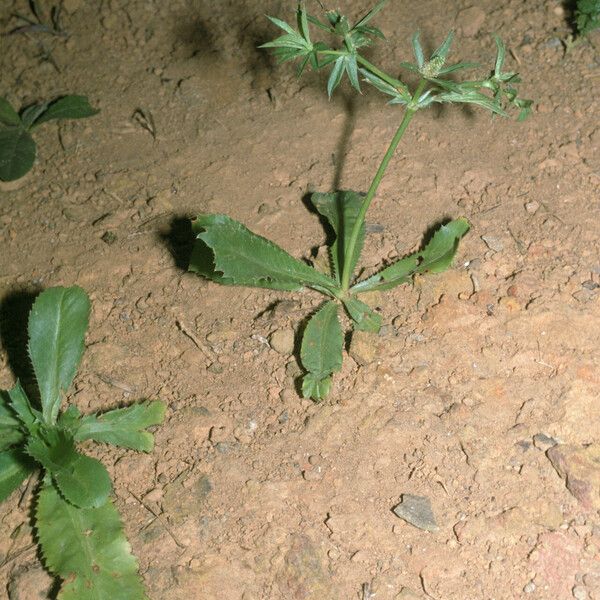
364	20
17	153
31	113
341	210
501	53
67	107
87	549
364	317
11	427
587	16
229	253
82	480
8	115
15	467
57	326
336	75
418	50
442	51
434	258
19	402
321	350
124	426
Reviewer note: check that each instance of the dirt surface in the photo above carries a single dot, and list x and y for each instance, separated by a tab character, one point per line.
480	394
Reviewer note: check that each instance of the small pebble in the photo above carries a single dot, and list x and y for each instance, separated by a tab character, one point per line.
579	592
532	207
529	588
282	341
417	511
493	243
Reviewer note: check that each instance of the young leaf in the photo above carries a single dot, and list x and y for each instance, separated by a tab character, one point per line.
82	480
57	326
31	113
434	258
336	75
364	20
87	549
17	153
124	426
321	350
8	115
341	210
418	50
240	257
364	317
22	407
67	107
10	426
15	467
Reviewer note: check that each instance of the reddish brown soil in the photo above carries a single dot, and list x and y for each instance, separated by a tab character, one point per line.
261	494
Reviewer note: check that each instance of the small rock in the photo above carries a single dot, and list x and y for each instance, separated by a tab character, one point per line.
71	5
532	207
493	243
529	588
185	497
470	20
282	341
579	593
543	442
364	347
30	584
579	466
417	511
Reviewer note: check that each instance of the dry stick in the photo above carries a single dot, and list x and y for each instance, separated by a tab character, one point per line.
160	519
189	334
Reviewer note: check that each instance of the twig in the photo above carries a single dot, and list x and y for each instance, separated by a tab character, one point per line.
208	353
118	384
159	518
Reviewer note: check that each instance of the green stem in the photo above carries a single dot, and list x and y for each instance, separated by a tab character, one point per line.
349	252
381	74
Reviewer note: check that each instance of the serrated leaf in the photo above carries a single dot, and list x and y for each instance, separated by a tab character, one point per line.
321	350
10	425
8	115
124	426
229	253
341	210
434	258
67	107
17	153
57	326
22	407
364	317
82	480
87	549
15	467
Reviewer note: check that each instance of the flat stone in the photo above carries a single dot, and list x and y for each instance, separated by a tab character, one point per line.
579	466
417	511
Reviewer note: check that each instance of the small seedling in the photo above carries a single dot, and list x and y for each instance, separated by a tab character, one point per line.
17	148
228	253
78	528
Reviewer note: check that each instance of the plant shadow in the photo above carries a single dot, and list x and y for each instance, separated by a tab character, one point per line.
179	240
14	315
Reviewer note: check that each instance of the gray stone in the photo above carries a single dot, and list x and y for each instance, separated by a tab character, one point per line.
282	341
417	511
